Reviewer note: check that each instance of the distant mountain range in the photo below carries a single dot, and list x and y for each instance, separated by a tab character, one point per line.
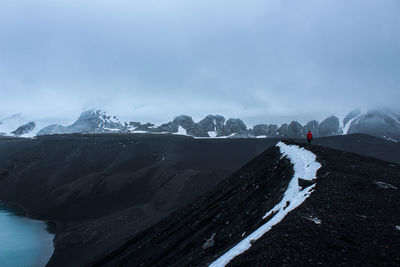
382	123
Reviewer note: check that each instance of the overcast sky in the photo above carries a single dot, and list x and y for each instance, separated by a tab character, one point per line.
260	60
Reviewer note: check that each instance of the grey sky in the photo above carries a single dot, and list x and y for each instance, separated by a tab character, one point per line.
260	60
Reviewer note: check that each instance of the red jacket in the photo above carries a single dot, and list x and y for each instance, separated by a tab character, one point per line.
309	136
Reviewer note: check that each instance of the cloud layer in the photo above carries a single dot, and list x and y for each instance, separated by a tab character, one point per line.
151	60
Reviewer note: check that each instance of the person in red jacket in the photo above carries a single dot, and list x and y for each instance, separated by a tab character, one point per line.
309	137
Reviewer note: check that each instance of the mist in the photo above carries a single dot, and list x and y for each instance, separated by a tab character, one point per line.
262	61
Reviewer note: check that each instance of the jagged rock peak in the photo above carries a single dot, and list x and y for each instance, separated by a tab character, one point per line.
382	123
329	126
313	127
24	129
294	130
213	125
352	114
234	126
90	121
283	130
260	130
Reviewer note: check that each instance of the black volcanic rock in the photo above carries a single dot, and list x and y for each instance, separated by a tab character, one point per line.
330	126
102	188
24	129
295	130
348	220
184	238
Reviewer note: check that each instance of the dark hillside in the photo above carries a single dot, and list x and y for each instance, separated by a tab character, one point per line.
104	189
363	144
352	218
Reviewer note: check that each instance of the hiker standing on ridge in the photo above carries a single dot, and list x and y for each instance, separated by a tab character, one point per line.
309	137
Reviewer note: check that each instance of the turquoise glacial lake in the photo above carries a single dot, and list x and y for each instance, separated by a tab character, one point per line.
24	242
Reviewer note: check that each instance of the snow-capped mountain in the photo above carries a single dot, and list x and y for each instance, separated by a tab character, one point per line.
210	126
382	123
17	125
91	121
24	129
328	127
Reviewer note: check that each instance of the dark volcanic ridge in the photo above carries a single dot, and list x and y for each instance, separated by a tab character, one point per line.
109	193
102	189
351	218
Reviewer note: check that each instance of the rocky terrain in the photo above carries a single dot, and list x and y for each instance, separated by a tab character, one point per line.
100	189
103	191
382	123
352	217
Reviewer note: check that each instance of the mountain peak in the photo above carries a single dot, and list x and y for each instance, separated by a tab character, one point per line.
382	123
90	121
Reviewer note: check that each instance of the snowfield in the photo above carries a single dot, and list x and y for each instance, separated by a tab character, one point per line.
305	167
181	131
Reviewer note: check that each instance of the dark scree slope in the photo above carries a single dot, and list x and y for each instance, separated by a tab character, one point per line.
356	201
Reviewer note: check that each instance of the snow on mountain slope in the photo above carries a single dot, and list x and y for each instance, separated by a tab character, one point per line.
90	121
212	134
305	167
181	131
21	125
11	123
348	124
382	123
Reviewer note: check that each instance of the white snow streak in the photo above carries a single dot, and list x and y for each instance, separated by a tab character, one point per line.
212	134
181	131
390	139
314	220
348	124
305	167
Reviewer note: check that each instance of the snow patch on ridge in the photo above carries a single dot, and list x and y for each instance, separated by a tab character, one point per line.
305	167
389	139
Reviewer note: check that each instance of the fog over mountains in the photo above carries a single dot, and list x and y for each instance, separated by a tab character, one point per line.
382	123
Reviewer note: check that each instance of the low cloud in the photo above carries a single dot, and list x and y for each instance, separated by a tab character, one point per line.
263	61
